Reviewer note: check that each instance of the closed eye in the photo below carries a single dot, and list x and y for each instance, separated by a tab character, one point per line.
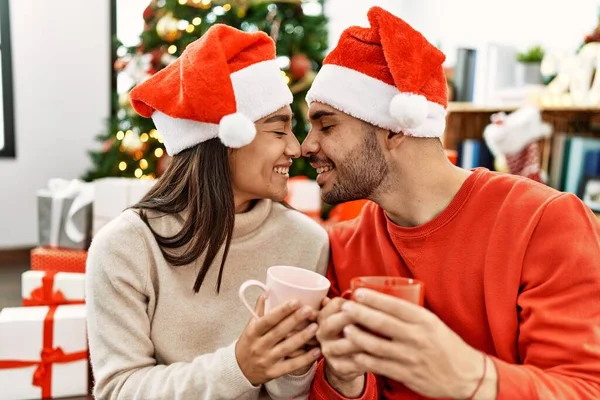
326	128
280	133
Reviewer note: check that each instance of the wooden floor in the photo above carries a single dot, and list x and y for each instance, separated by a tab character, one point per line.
11	269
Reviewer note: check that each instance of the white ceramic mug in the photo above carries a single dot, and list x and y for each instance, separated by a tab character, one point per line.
286	283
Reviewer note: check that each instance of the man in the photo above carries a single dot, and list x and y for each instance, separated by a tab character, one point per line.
510	266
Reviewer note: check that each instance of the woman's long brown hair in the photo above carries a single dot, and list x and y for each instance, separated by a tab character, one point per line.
198	180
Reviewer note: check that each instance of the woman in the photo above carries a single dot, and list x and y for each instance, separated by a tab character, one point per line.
165	320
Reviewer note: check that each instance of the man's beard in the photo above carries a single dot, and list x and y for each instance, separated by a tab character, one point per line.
360	173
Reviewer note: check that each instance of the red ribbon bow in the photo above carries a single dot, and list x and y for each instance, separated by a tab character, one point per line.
45	296
49	355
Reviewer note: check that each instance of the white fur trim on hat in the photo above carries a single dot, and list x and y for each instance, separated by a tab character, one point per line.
409	109
260	90
236	130
374	101
179	134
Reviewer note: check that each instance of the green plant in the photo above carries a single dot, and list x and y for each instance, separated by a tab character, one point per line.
533	55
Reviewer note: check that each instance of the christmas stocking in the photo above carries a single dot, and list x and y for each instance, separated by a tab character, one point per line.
526	162
515	136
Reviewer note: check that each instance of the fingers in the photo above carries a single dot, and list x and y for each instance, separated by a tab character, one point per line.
399	308
380	366
297	353
332	306
331	328
376	346
289	324
293	364
377	321
296	342
259	308
274	317
339	348
311	343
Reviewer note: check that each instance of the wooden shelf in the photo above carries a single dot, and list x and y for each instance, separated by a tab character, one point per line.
468	120
461	107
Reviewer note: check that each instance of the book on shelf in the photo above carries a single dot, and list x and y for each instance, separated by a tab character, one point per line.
473	153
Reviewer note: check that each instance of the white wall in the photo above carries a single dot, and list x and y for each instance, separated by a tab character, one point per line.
560	25
345	13
451	24
61	79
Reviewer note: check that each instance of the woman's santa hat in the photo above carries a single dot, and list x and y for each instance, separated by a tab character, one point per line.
388	75
220	85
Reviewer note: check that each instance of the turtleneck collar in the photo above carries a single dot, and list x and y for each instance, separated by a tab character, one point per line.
250	220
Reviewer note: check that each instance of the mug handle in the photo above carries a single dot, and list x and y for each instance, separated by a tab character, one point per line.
242	293
347	294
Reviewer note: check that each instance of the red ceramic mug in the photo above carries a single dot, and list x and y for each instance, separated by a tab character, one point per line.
408	289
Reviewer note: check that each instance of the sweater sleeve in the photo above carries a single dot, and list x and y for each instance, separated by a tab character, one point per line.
121	350
322	390
559	309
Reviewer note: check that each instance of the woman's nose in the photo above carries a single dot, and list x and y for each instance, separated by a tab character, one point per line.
293	148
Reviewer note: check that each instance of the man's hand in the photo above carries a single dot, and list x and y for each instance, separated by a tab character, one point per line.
421	352
342	372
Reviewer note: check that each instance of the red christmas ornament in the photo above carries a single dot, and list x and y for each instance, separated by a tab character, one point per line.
299	66
149	13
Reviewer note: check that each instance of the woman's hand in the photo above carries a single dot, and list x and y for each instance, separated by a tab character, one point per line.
265	352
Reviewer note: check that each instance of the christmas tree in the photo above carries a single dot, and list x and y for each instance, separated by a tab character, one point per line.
131	146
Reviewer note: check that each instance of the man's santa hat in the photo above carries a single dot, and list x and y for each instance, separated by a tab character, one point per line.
220	85
388	75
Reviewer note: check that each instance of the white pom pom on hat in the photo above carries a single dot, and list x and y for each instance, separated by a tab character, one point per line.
236	130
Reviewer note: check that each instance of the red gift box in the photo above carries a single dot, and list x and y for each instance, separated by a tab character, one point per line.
58	260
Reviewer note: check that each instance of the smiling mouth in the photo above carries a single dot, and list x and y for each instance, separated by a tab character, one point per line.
323	173
285	171
321	170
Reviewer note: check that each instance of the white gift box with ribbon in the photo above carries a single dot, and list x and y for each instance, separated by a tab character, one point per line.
304	195
114	195
65	214
43	352
46	288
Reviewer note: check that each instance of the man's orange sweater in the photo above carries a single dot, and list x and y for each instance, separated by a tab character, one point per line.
511	265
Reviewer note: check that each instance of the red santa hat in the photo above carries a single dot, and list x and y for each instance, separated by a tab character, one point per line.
388	75
220	85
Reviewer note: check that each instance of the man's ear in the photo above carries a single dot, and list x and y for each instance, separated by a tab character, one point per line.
393	140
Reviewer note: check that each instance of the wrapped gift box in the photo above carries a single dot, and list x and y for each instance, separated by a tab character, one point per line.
44	288
43	352
58	260
65	214
113	195
304	195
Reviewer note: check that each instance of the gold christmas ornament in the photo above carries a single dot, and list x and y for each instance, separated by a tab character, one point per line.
167	28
